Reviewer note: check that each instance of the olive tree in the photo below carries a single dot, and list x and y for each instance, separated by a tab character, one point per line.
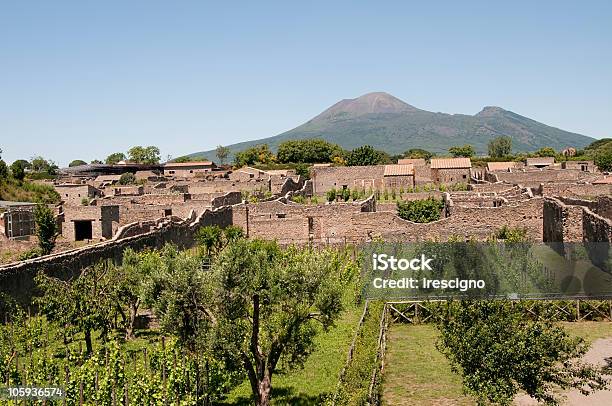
269	305
499	351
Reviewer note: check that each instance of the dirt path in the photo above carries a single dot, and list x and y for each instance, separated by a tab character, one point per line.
600	352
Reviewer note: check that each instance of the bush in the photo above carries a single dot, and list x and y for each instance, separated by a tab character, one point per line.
355	195
346	194
127	179
511	234
298	199
46	228
420	211
30	254
331	195
85	201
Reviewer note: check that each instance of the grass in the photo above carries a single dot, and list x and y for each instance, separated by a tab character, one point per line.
317	380
416	373
16	191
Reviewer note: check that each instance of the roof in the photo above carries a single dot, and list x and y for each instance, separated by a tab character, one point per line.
451	163
547	160
187	164
399	170
500	166
108	178
606	180
413	161
7	204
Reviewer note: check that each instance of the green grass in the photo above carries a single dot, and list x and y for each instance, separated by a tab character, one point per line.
416	373
589	330
318	378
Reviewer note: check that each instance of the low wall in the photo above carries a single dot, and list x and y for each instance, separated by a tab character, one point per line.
18	279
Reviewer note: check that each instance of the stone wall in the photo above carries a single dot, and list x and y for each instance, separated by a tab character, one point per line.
573	189
561	222
533	178
360	177
18	279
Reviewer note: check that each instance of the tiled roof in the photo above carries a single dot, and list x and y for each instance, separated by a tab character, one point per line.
540	161
412	161
451	163
500	166
398	170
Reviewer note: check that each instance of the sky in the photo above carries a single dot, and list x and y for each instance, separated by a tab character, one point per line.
83	79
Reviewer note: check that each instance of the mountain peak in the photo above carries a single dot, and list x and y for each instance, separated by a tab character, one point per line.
369	103
490	111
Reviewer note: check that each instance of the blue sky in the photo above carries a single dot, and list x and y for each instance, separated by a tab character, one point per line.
83	79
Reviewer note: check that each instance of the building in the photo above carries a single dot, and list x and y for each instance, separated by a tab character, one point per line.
17	219
542	162
188	169
90	222
501	166
450	170
584	166
73	194
398	176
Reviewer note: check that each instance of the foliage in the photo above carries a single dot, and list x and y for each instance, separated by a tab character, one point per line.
355	382
96	162
23	191
213	238
331	195
259	154
309	150
302	170
420	211
346	194
18	169
83	304
41	165
85	201
144	155
77	162
603	157
545	152
268	303
365	155
499	352
500	146
115	157
511	234
416	153
466	151
222	153
46	228
127	178
3	170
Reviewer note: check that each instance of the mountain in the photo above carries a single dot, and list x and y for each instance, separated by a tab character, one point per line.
387	123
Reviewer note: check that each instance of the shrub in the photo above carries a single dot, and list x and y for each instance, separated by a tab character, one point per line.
355	195
46	228
127	179
314	200
346	194
298	199
331	195
510	234
420	211
85	201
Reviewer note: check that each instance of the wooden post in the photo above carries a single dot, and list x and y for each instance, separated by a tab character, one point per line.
578	310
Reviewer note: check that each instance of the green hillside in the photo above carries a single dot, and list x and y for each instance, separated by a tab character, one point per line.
389	124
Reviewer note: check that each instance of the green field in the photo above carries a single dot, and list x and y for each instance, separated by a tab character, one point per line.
417	374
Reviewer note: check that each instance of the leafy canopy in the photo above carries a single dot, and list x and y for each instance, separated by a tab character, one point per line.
499	352
420	211
500	146
466	151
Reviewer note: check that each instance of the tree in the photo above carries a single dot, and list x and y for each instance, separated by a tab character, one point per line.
222	153
46	228
259	154
603	157
115	157
96	162
365	155
420	211
144	155
498	351
41	165
127	178
84	304
3	170
545	152
466	151
310	150
416	153
77	162
302	170
18	169
129	284
500	147
268	303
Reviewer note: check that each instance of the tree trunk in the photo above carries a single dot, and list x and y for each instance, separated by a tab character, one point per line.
264	388
129	330
88	347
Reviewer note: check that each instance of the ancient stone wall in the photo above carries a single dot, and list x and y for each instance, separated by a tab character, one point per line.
533	178
18	279
561	222
573	189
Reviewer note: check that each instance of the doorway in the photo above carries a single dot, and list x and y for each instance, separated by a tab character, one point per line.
83	230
